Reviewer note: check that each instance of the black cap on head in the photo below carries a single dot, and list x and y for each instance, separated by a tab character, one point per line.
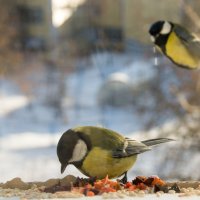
65	147
156	28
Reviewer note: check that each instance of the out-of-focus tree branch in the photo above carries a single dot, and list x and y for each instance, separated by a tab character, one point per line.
189	11
10	55
185	104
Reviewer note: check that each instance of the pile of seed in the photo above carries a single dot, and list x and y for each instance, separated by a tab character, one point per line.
38	190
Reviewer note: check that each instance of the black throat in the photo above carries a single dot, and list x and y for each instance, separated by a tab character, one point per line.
161	41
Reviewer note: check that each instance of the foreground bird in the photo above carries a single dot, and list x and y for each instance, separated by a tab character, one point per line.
98	152
177	43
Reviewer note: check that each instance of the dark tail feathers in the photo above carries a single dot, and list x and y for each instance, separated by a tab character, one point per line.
153	142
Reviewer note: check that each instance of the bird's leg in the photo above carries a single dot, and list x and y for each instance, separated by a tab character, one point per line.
124	179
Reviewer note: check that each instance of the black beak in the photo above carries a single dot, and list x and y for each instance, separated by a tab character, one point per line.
63	167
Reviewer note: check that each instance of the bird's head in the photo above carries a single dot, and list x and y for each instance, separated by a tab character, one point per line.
160	29
71	149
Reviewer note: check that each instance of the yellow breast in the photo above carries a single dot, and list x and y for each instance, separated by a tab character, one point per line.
100	163
179	53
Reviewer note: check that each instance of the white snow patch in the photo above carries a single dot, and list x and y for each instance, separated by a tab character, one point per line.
12	103
28	140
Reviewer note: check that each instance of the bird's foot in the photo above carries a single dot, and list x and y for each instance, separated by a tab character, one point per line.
124	179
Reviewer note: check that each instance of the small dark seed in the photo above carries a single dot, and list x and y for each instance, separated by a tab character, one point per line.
158	188
137	180
175	187
149	181
96	192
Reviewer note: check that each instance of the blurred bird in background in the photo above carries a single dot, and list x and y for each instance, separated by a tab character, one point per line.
177	43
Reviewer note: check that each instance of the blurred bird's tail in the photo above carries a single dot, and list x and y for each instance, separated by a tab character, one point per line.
154	142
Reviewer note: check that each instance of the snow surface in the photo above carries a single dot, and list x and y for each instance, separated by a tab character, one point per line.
146	197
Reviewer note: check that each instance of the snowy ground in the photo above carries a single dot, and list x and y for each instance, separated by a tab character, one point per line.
146	197
30	130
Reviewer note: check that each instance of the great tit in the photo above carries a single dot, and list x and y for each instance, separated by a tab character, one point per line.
177	43
98	152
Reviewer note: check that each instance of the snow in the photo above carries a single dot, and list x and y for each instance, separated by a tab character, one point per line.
151	197
28	140
146	197
10	104
140	72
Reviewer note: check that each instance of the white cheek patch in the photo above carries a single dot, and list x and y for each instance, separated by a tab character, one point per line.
152	38
166	28
79	152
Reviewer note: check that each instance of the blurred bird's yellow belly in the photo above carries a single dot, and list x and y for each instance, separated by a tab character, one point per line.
179	53
100	163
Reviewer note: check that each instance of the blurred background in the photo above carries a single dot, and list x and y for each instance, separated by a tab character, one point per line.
65	63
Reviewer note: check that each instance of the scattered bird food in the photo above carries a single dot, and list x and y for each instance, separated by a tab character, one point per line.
70	186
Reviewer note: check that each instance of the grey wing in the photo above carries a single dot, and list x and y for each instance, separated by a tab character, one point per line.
191	41
129	148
